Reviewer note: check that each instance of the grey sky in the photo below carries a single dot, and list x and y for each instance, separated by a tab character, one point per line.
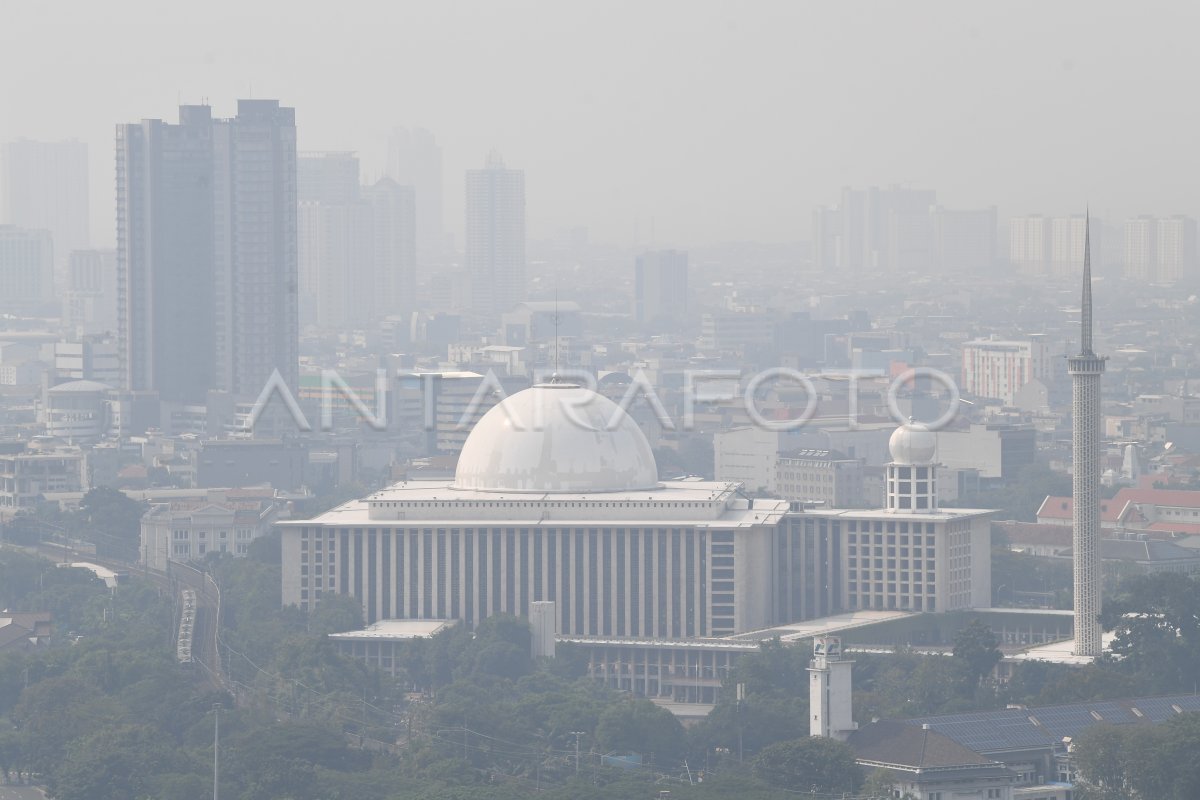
721	121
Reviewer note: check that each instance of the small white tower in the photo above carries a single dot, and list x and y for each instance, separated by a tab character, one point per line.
911	477
830	691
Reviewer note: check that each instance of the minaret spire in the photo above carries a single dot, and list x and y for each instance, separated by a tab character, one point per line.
1085	338
1085	370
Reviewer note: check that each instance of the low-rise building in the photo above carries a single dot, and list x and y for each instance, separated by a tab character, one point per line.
226	521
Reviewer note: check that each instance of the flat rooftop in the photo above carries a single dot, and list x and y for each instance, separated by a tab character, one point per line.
823	626
396	630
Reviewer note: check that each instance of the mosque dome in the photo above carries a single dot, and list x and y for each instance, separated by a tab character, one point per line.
913	443
556	437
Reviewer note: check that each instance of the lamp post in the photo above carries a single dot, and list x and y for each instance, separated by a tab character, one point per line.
216	751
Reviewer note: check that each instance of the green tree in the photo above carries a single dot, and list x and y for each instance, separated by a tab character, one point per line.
335	613
978	650
639	726
823	765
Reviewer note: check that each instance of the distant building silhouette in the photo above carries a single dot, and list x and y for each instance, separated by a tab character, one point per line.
26	269
45	185
496	236
206	251
661	287
415	159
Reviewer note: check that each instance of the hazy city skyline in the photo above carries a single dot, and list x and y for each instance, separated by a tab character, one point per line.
755	118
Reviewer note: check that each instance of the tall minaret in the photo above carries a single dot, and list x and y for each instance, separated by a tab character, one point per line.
1085	370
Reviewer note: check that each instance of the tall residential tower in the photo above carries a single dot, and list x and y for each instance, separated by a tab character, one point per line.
1085	370
496	237
206	251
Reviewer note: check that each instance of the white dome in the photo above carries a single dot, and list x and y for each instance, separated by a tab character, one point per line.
913	443
556	437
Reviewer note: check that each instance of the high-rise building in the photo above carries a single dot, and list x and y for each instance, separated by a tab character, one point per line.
206	251
45	185
1141	248
90	296
26	270
1176	248
1029	244
876	230
964	240
1068	240
334	226
496	237
1085	370
998	369
415	159
394	246
660	287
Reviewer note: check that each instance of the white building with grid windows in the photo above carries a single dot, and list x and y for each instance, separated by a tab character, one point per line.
912	555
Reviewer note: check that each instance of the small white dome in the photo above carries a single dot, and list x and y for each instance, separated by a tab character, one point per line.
913	443
556	437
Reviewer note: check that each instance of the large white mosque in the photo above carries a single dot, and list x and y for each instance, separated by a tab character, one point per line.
557	498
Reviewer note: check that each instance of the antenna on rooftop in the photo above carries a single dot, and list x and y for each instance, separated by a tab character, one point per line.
556	326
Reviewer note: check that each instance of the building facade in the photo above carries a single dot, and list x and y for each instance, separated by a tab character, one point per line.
26	270
495	244
998	369
44	186
660	287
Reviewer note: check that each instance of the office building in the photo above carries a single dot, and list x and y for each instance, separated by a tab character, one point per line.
1141	248
415	159
393	213
337	289
223	521
964	240
90	294
1175	247
206	251
26	270
997	369
1029	246
495	246
660	288
44	186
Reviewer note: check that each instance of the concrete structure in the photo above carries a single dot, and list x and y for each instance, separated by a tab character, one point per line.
820	477
381	644
77	411
830	690
998	369
393	209
912	555
210	304
27	474
44	185
543	620
26	270
556	497
1085	370
998	451
496	237
660	288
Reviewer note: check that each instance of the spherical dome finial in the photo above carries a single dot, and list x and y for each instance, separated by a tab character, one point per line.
913	443
556	437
